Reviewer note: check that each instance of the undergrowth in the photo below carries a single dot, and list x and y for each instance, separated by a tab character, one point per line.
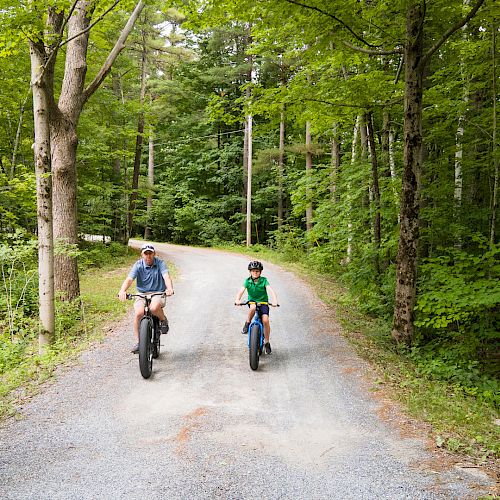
78	324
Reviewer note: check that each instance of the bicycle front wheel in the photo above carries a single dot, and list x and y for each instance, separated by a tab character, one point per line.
145	347
253	350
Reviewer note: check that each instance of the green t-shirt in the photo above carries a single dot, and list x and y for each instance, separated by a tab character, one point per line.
257	290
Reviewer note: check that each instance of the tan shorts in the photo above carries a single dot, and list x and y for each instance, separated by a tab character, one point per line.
161	299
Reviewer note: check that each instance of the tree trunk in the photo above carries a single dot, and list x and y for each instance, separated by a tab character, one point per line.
41	112
375	191
245	179
138	142
406	265
335	163
64	122
354	157
17	139
151	183
494	204
281	158
249	182
309	164
64	143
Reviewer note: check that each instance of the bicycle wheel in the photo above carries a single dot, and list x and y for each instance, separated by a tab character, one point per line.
253	350
145	349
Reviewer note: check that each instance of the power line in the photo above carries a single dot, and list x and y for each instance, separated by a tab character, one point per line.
183	141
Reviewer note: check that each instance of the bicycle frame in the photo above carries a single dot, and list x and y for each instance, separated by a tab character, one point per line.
256	321
149	336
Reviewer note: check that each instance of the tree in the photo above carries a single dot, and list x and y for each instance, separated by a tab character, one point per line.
63	117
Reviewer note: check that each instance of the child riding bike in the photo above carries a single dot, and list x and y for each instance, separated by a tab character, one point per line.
257	288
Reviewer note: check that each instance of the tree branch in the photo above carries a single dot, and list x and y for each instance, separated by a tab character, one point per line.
119	46
450	32
70	13
100	18
373	52
363	106
331	16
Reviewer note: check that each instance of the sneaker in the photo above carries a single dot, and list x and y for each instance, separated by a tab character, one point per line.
267	346
164	326
135	349
244	330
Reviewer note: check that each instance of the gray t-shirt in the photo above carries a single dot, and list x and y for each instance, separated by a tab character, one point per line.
149	278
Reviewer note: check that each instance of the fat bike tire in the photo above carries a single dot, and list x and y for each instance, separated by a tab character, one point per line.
253	351
145	347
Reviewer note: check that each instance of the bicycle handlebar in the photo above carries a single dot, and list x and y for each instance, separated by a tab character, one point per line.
258	303
130	296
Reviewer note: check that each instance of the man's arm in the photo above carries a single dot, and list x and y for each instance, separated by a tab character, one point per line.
125	286
168	282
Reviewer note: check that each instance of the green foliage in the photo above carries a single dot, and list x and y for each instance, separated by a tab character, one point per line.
459	288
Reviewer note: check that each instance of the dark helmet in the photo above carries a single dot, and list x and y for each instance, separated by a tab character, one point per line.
255	264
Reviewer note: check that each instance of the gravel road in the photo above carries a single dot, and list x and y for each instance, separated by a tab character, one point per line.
304	426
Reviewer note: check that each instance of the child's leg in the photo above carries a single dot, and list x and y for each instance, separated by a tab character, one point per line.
267	327
251	312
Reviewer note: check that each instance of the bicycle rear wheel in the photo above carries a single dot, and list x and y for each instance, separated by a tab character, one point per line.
253	350
145	347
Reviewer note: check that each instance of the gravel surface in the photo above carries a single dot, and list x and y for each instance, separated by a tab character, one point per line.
204	425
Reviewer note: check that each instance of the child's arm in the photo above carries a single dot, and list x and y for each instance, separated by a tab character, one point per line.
270	290
241	291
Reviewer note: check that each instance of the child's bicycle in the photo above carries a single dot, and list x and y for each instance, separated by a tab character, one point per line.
149	334
255	335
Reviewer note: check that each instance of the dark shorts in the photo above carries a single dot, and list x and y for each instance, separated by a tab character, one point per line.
264	309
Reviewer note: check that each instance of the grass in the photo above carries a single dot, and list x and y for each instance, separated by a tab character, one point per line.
78	325
460	423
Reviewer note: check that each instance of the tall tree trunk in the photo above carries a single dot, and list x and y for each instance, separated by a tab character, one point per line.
245	179
17	139
354	157
249	182
459	148
249	147
281	167
117	201
41	111
151	183
138	142
375	191
64	122
64	142
406	265
309	165
335	163
494	204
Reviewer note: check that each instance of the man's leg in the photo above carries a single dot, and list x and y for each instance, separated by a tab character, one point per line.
157	305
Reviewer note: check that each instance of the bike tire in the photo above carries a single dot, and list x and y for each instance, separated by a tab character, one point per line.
145	347
253	350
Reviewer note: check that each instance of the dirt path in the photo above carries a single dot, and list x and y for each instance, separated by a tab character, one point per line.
205	425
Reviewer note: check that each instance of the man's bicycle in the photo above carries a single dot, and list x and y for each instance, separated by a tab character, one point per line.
255	335
149	334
